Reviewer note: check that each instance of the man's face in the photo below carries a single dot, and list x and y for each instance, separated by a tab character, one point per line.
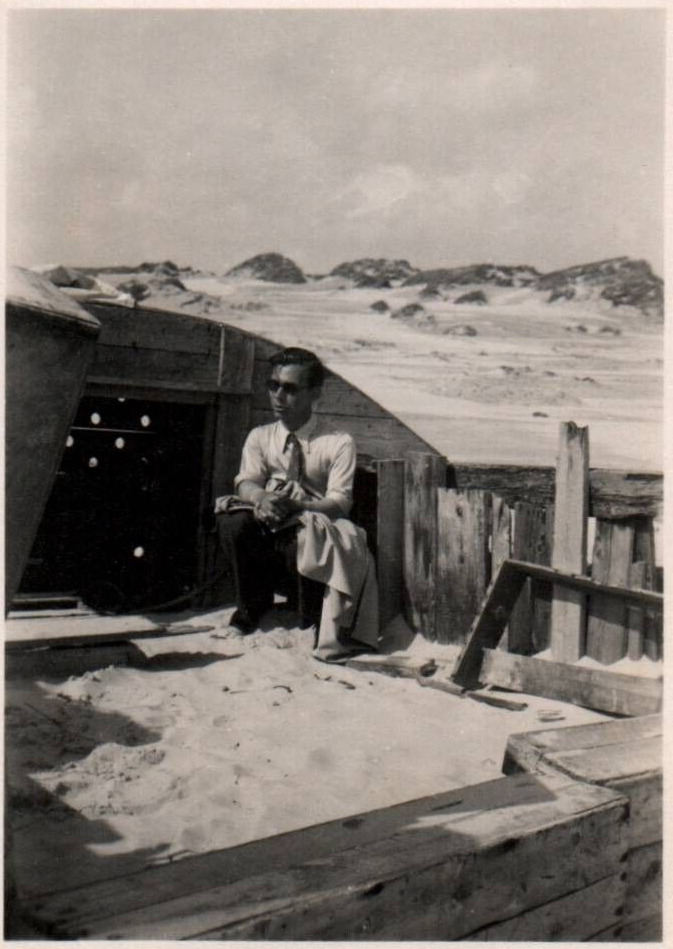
292	401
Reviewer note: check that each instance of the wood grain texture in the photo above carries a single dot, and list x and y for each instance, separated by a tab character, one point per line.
463	560
390	538
649	929
571	510
606	619
529	625
572	918
593	688
499	848
644	882
424	473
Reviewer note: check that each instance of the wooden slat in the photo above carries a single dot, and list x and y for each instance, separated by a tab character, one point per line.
463	560
232	426
390	537
404	667
593	688
635	615
571	509
613	493
528	751
529	624
490	623
649	598
613	554
572	918
155	367
607	764
501	543
646	795
236	360
644	882
21	634
645	575
446	867
147	328
424	473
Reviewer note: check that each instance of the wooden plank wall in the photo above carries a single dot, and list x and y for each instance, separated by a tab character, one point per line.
474	529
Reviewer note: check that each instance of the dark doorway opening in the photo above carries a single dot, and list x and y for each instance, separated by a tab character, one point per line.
121	526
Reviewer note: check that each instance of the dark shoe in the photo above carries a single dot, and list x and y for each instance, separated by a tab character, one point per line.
244	622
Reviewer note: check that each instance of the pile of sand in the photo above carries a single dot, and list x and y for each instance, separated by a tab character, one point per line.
213	741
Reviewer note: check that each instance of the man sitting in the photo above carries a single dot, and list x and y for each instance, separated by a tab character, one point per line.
296	485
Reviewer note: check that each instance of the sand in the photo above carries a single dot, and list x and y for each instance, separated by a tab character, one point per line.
200	742
497	396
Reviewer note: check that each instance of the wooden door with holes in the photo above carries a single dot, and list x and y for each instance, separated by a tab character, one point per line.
120	529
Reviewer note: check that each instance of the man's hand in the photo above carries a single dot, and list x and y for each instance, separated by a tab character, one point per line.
274	507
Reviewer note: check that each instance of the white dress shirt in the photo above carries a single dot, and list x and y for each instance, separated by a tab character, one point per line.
329	459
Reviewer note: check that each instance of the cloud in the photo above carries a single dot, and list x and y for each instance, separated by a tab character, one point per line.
378	190
488	87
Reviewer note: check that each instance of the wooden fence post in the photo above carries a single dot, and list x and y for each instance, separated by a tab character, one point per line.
389	537
463	560
424	473
571	510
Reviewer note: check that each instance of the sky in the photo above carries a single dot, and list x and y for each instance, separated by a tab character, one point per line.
443	136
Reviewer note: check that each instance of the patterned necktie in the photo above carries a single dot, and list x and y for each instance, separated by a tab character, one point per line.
295	465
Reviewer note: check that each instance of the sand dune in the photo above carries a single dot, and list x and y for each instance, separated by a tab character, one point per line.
496	396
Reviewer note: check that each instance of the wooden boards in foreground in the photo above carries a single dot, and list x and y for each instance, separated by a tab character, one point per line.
593	688
28	633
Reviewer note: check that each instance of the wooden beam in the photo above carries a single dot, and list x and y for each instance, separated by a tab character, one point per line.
593	688
649	598
390	537
424	473
571	511
613	493
490	623
613	554
463	560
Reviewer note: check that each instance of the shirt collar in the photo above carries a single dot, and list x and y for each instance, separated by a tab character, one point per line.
303	434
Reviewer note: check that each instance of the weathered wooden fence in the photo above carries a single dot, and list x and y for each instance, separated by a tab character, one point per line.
462	521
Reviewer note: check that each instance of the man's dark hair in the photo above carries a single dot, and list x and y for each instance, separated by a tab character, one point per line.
295	356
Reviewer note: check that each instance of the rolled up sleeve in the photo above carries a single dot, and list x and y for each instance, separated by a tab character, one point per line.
254	466
341	474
